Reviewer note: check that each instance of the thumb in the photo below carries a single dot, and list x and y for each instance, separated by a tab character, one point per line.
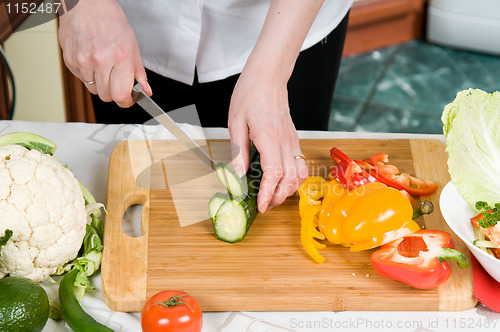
142	79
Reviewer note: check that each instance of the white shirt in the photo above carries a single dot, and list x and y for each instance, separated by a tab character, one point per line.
213	36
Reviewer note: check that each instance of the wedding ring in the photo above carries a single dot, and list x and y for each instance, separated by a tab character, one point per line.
89	83
300	156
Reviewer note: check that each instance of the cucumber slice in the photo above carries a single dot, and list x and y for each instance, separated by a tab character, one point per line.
30	141
215	202
232	221
485	244
230	180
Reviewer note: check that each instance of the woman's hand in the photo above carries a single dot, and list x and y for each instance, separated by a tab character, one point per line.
99	46
259	112
259	105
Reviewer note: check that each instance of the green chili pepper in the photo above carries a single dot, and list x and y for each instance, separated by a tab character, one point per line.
73	314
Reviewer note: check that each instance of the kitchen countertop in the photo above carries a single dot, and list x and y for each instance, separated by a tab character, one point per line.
86	149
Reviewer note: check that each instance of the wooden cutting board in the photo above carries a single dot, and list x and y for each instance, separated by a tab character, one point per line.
269	270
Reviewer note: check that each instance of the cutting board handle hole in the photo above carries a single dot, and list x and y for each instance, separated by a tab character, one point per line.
131	222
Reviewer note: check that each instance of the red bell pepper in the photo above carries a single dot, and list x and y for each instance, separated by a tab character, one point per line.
418	259
347	171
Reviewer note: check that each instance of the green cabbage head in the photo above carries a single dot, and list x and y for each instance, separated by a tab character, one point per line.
471	125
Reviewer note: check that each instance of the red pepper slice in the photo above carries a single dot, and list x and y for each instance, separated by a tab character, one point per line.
386	174
475	220
489	232
418	259
426	189
352	173
347	171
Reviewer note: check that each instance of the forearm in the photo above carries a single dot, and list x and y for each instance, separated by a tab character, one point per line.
283	33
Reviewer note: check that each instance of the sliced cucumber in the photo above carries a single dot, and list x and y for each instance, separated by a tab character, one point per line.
30	141
485	244
215	202
230	180
232	220
233	213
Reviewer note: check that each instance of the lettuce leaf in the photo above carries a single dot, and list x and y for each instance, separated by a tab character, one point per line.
471	125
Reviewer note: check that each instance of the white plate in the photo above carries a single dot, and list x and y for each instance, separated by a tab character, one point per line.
457	214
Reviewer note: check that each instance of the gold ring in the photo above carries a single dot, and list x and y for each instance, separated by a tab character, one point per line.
300	156
90	82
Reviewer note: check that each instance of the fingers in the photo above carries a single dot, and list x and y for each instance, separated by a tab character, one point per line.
271	162
140	76
294	173
90	85
102	80
121	82
240	146
283	173
113	79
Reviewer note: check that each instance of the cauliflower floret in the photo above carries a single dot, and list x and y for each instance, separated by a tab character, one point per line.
42	203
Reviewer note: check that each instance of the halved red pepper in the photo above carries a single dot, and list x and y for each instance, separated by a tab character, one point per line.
418	259
347	171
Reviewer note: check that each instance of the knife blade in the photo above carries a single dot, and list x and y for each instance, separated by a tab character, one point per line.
166	121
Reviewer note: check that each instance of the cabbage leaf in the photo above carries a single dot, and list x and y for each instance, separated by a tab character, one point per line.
471	125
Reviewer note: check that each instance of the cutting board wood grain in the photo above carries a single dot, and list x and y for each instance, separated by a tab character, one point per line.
269	270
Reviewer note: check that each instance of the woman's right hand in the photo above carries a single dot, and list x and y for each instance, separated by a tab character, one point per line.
99	46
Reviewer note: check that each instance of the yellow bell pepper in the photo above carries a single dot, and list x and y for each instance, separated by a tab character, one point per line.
368	216
333	213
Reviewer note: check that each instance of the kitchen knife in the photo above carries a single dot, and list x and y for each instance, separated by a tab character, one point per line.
166	121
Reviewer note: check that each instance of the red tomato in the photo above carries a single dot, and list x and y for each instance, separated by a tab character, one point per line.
171	311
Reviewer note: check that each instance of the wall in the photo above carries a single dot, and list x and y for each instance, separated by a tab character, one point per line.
36	63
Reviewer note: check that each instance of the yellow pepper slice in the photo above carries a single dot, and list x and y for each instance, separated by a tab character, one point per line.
312	188
307	233
304	202
333	191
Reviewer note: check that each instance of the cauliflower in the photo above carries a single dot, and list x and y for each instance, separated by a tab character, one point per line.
41	201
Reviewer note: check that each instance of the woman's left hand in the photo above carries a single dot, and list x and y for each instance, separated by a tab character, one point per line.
259	113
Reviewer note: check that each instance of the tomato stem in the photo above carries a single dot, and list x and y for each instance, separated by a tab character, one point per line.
173	302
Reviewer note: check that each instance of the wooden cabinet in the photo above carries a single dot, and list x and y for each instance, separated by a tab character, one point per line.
378	23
